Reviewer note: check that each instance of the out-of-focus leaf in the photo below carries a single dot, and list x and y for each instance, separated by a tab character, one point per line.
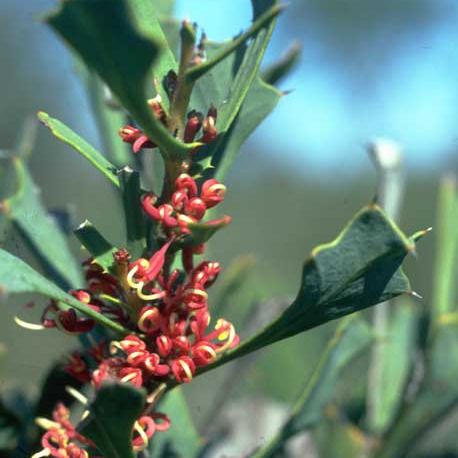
97	245
111	419
109	120
102	33
234	277
447	249
17	277
279	69
62	132
181	440
40	231
10	425
335	437
398	355
359	269
165	7
146	15
352	336
134	218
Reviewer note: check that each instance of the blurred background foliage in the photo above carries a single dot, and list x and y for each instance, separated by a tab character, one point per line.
368	69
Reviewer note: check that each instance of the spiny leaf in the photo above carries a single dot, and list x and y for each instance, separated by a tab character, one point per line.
97	245
111	419
18	277
39	231
352	336
359	269
102	33
62	132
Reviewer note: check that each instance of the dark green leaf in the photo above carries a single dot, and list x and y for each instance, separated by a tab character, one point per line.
133	214
182	438
102	33
359	269
39	231
352	336
62	132
112	416
17	277
97	245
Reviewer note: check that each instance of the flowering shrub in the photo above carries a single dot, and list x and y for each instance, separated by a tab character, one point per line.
142	309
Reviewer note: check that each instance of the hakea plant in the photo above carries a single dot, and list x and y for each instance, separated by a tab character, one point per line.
142	310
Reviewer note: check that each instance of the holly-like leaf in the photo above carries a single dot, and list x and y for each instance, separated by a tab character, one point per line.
97	245
359	269
17	277
111	419
104	36
181	440
352	336
39	230
62	132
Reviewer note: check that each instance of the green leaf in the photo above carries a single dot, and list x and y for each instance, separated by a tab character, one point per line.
359	269
347	439
146	17
109	120
18	277
111	420
39	230
203	232
351	338
62	132
281	68
242	98
102	33
447	249
398	352
181	440
260	22
259	103
133	214
97	245
165	7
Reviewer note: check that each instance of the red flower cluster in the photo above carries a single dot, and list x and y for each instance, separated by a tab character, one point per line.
196	121
187	205
61	439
